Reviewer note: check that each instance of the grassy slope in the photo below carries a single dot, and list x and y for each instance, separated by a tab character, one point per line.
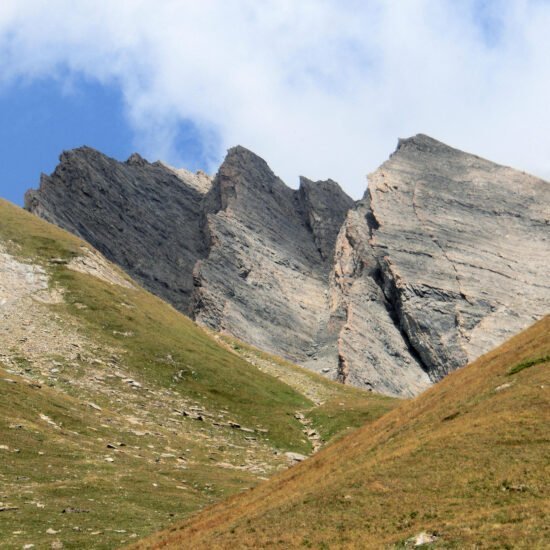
467	460
331	415
47	469
176	362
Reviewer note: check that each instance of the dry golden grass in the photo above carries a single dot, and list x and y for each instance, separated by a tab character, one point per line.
466	461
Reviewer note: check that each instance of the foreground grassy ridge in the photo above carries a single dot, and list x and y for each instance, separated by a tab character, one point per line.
119	457
467	461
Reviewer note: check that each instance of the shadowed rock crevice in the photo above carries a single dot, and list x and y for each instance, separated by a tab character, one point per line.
373	350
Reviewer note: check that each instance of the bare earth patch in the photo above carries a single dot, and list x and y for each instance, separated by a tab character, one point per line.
94	264
30	331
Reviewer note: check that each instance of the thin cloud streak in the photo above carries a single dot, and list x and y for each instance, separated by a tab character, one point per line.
322	89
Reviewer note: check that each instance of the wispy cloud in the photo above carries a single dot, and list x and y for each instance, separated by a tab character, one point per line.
320	88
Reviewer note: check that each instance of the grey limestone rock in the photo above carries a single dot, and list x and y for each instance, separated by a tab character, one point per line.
372	350
142	216
447	256
243	254
265	278
325	206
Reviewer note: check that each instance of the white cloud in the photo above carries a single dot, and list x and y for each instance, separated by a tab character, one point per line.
318	87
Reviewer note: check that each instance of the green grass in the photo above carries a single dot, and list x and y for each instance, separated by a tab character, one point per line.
340	409
528	363
206	371
62	465
165	344
338	416
48	469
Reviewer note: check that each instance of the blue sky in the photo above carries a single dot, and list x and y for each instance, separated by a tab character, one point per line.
318	88
40	119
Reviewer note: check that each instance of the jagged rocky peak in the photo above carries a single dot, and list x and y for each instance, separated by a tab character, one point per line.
140	215
245	180
243	253
444	258
135	159
265	276
423	144
455	247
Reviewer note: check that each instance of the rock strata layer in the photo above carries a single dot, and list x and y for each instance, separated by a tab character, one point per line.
144	217
444	258
266	274
244	253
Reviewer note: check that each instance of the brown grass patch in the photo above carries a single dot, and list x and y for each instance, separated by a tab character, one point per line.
464	460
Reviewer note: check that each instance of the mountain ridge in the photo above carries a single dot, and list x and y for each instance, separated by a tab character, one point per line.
389	293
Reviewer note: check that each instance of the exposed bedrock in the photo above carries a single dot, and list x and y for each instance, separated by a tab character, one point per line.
265	278
144	217
452	251
446	256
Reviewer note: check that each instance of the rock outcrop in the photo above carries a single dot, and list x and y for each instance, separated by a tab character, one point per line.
444	258
373	352
265	277
144	217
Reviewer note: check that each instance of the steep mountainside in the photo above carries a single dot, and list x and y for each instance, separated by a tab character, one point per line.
144	217
444	258
270	252
111	400
465	465
450	249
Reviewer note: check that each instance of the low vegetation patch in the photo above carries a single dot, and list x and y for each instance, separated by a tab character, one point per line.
528	363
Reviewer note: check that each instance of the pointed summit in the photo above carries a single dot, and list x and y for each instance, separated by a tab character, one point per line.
141	216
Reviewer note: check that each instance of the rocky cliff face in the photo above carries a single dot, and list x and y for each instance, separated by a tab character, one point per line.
243	254
144	217
444	258
270	253
373	351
